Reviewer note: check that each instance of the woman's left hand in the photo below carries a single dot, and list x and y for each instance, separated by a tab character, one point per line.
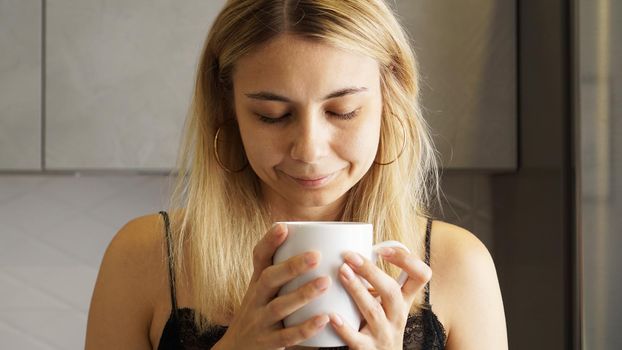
386	318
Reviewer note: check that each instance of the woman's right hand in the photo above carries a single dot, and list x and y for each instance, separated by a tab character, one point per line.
257	324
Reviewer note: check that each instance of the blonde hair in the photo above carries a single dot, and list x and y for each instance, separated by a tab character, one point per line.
222	217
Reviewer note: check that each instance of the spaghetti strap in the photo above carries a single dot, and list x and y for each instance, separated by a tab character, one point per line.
428	233
171	271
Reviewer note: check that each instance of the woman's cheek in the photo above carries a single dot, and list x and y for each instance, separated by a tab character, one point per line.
263	151
359	154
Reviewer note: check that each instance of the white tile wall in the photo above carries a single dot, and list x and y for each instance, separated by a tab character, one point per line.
53	234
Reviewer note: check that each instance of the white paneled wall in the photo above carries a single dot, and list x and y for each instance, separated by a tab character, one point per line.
119	79
20	84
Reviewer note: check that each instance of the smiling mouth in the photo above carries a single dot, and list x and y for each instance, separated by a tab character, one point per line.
313	181
314	178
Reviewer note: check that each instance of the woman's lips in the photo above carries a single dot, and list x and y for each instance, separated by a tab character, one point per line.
313	183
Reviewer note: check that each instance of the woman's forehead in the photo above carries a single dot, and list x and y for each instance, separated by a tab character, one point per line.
306	69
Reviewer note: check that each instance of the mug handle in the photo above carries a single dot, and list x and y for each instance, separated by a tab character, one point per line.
401	279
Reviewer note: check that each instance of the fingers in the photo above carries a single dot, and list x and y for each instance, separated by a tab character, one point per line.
385	286
350	335
293	335
265	248
419	273
394	300
369	307
275	276
283	306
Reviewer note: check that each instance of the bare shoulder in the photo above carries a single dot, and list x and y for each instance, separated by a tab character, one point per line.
125	291
469	287
456	245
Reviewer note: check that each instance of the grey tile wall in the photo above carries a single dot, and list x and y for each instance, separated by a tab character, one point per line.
119	79
20	84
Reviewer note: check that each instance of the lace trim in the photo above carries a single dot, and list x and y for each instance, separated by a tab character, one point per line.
423	332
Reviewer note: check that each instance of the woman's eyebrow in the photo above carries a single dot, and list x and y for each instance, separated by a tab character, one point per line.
270	96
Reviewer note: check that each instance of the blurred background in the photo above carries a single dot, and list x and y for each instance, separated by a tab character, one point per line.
524	99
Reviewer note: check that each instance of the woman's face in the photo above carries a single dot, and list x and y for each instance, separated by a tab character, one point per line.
307	111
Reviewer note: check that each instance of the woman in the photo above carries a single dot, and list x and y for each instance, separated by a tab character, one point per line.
303	110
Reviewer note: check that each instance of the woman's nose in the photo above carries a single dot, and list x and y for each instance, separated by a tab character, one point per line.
310	139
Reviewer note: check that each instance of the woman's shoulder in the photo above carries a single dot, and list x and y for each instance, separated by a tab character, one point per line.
465	276
144	235
456	251
451	243
127	285
456	237
140	241
136	250
139	229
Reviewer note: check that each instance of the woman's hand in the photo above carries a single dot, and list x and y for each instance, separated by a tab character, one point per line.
385	318
257	325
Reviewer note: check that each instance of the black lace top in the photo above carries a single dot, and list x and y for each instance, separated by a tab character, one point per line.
423	330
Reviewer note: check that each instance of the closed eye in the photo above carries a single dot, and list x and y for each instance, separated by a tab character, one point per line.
270	120
345	116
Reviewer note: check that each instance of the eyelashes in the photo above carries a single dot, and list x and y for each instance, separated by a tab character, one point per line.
345	116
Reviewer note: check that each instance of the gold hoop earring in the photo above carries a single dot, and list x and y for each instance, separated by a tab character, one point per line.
403	144
218	158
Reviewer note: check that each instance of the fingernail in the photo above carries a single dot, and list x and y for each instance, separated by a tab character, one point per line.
347	271
321	283
354	258
320	321
336	319
278	229
425	268
310	259
428	271
385	251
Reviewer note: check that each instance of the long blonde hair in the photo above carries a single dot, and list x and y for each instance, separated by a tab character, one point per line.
217	217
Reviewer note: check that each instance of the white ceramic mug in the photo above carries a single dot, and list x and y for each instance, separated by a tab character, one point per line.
331	239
